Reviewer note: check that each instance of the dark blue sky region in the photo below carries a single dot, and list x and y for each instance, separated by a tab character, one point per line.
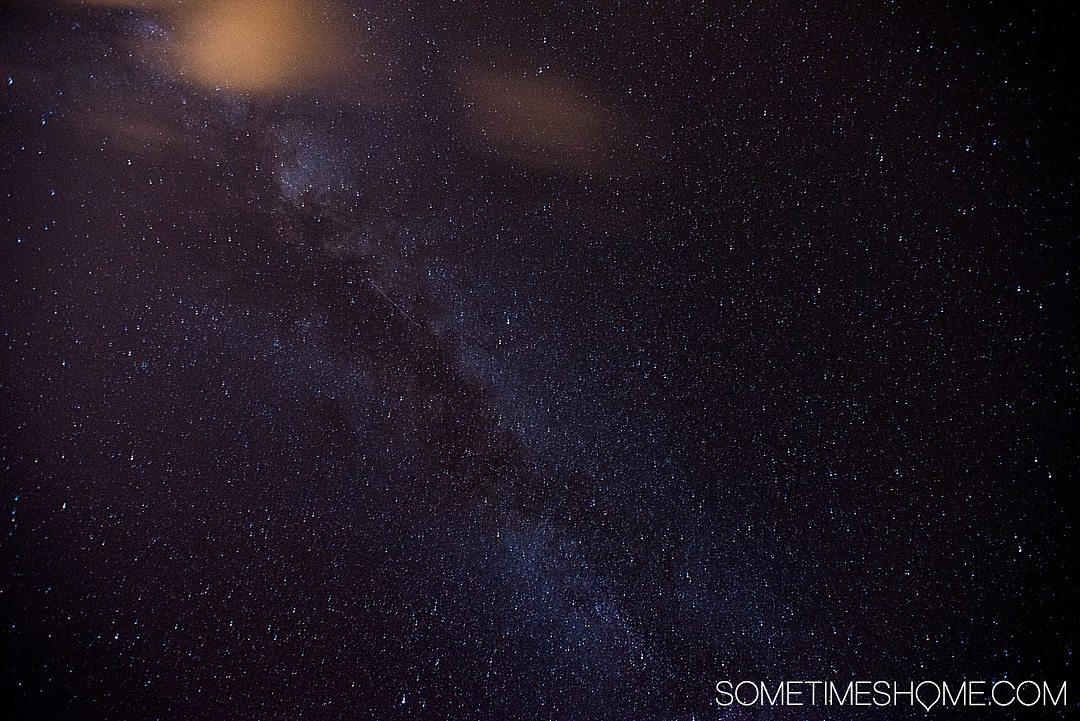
535	360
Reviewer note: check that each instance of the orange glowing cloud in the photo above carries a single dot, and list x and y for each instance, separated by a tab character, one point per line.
258	45
539	120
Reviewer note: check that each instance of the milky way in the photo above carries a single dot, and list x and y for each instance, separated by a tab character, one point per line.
531	361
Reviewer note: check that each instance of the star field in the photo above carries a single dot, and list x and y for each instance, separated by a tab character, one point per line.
531	360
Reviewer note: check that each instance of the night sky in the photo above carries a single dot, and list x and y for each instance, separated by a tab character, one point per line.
532	360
